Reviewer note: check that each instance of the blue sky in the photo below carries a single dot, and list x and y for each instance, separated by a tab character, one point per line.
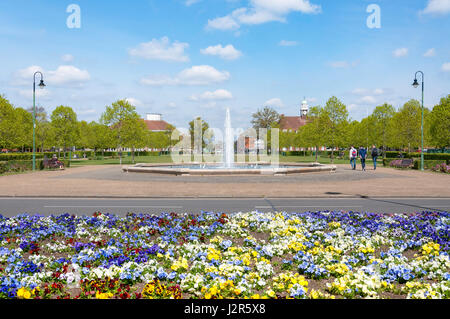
187	58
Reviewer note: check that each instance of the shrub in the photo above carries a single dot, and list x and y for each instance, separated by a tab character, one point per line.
19	156
427	164
432	157
444	168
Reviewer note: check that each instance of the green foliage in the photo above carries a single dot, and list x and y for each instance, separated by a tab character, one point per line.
65	126
265	118
428	164
439	124
8	138
18	156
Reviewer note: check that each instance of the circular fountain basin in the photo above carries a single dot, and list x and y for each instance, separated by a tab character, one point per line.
208	169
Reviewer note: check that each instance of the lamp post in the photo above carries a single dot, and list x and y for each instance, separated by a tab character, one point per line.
416	85
41	85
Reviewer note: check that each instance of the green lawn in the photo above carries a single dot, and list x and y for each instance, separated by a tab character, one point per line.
167	159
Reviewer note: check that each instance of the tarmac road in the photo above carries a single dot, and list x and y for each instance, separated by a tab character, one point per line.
87	206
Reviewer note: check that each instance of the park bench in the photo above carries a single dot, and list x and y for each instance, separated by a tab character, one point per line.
403	163
52	164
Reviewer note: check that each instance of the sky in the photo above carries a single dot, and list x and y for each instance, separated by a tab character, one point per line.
189	58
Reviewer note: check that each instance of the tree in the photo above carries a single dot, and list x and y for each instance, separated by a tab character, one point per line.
65	126
205	126
135	133
8	124
265	118
383	115
86	138
313	131
44	131
335	123
24	128
120	117
103	136
406	125
439	123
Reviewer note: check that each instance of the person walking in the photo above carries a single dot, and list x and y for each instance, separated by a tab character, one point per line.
353	155
363	156
374	156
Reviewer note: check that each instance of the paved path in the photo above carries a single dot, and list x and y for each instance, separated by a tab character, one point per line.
110	181
87	206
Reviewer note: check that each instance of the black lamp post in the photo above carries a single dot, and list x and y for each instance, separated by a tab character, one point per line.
42	86
416	85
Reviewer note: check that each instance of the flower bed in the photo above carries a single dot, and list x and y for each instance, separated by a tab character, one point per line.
443	168
246	255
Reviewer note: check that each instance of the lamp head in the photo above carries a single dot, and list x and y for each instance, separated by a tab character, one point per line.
415	84
41	84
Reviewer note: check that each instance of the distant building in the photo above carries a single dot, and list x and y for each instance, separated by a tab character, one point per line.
294	123
155	123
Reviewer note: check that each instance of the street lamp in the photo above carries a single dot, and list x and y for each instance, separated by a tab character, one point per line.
416	85
41	86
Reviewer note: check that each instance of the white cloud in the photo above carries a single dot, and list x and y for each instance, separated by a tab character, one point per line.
67	58
368	99
64	75
262	11
430	53
286	43
437	7
223	23
401	52
228	52
162	50
133	101
275	102
45	94
196	75
68	75
378	92
218	95
446	67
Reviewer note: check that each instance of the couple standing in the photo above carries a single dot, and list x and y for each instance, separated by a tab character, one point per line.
362	154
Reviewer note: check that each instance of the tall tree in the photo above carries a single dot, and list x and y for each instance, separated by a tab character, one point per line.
44	132
313	131
103	137
7	124
265	118
204	125
335	116
24	128
406	125
65	126
439	123
120	116
383	115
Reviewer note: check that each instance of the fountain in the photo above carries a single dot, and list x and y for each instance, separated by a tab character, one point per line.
228	144
229	166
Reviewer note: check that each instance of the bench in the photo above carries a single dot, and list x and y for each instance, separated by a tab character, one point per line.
403	163
52	164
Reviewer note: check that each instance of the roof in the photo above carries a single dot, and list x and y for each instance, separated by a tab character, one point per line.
292	122
156	126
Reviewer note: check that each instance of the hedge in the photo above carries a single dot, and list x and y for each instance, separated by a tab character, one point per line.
432	156
19	156
427	164
22	166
